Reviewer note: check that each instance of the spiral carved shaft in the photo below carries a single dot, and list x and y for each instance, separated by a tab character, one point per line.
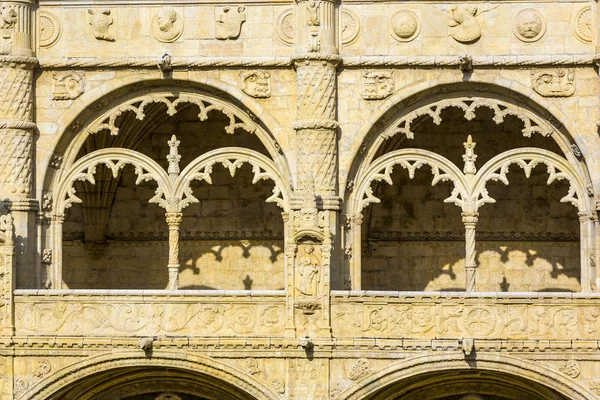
173	221
470	221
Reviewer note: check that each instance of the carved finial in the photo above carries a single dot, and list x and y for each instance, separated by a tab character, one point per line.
173	158
469	157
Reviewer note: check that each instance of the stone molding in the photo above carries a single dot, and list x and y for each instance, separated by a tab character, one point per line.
349	61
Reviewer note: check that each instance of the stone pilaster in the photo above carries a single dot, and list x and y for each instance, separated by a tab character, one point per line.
16	129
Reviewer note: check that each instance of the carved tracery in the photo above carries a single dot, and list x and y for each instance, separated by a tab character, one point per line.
469	105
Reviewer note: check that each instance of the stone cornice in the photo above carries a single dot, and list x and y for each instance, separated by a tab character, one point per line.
360	62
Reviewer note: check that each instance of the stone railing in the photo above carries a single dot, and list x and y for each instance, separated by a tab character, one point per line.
444	315
146	312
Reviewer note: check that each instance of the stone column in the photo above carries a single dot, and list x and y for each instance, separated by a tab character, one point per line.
470	221
54	273
587	244
16	131
316	225
173	220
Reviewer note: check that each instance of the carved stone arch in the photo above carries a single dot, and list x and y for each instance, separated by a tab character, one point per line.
373	386
423	97
99	102
114	159
411	160
238	381
527	159
233	158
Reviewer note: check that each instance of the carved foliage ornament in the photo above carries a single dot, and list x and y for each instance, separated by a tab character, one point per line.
101	20
529	25
67	85
167	25
558	83
405	25
228	21
256	83
582	24
377	85
50	29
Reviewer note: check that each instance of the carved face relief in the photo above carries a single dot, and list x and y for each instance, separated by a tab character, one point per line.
529	25
463	24
100	22
228	22
256	84
404	26
167	25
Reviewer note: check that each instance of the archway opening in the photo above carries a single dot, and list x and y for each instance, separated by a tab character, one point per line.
415	241
230	239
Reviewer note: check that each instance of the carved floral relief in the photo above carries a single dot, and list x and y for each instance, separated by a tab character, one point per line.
582	24
285	27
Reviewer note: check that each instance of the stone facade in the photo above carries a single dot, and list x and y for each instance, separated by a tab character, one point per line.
311	200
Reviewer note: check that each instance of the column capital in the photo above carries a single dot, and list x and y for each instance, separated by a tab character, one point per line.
470	218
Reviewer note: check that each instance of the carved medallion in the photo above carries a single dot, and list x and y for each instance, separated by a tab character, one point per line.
50	29
285	27
67	85
404	25
167	25
463	24
350	27
377	85
571	368
256	84
529	25
228	21
42	368
582	24
101	20
558	83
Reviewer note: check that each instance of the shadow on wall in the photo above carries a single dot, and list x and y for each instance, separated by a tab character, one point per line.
502	266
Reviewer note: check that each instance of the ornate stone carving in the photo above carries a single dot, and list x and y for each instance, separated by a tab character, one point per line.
256	83
377	85
42	368
350	26
165	63
55	161
463	25
50	29
167	25
250	365
405	25
285	27
278	384
47	256
101	20
16	102
582	24
67	85
571	368
360	369
309	270
529	25
15	162
316	89
8	22
228	21
558	83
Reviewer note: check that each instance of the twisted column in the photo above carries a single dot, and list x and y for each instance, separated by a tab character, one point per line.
173	221
470	220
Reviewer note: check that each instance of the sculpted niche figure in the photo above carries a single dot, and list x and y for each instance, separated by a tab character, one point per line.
308	267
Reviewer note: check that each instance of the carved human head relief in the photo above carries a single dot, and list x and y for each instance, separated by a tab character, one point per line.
167	25
228	22
529	25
